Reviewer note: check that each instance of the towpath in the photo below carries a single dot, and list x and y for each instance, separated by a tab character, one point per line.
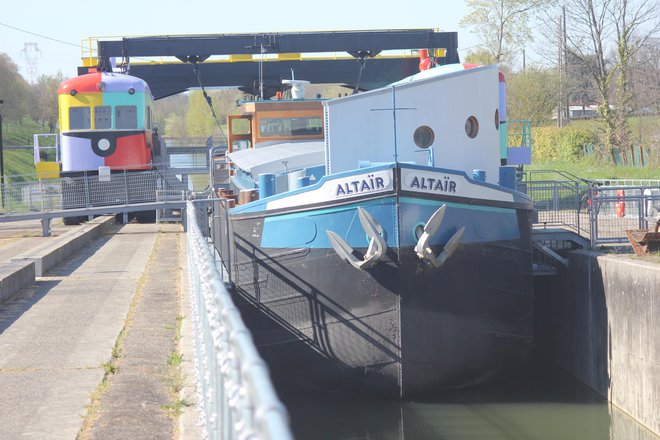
92	349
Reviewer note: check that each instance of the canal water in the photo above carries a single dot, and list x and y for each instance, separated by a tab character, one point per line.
538	404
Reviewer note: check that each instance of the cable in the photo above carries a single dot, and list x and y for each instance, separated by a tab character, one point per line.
362	61
207	98
39	35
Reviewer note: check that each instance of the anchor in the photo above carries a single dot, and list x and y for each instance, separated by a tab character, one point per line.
422	248
377	245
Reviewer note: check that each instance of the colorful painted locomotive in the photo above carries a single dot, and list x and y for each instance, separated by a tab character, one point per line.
106	119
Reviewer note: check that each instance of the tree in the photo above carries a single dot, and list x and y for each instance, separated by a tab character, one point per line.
625	25
502	25
13	90
45	97
645	70
579	82
199	121
480	56
629	20
531	95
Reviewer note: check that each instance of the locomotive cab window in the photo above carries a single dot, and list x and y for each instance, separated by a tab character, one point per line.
79	118
125	116
102	117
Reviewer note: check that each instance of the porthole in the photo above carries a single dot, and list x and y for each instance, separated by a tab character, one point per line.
497	119
423	136
471	127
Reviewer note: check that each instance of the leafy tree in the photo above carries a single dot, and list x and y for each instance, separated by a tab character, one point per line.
174	125
169	109
481	56
502	25
625	24
45	97
14	90
581	87
199	121
531	95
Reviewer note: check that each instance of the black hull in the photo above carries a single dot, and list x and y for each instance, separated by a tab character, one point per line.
401	328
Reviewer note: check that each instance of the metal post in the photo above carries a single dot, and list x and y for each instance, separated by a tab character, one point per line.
396	156
593	220
45	227
229	238
577	206
125	188
87	198
2	163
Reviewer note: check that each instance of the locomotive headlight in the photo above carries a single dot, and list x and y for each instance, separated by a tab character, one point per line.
73	92
104	144
131	91
100	85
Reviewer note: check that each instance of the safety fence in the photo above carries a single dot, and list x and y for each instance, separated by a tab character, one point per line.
616	209
600	210
93	189
237	398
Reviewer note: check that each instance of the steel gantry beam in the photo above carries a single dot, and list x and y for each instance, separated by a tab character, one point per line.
365	70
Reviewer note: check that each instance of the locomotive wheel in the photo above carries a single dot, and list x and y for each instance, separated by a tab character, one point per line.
72	221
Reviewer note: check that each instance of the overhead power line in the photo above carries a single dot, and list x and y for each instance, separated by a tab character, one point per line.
39	35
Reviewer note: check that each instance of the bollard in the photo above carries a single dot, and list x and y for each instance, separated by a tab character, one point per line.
302	182
508	177
266	185
479	175
248	195
292	179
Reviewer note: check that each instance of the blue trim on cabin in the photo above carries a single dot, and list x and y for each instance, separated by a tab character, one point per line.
260	205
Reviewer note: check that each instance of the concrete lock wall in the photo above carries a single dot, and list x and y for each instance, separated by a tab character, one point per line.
600	320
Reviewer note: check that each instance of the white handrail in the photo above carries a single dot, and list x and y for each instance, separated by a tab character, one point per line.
237	397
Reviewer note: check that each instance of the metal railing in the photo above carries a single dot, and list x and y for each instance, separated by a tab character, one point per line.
90	190
558	203
615	209
602	213
237	398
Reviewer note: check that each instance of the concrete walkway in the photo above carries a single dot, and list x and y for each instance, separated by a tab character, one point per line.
56	336
138	393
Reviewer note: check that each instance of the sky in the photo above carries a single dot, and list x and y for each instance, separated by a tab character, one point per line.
62	25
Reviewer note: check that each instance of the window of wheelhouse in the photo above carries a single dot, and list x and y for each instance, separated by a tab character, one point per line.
79	118
102	117
125	117
290	127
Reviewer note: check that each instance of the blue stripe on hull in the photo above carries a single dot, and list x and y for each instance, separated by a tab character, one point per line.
308	229
482	223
